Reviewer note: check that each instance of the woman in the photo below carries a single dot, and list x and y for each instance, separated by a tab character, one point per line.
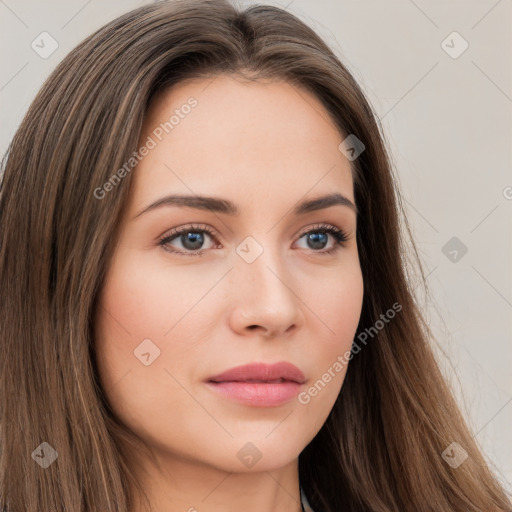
204	296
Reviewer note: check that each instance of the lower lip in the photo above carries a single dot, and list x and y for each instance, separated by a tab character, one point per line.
258	394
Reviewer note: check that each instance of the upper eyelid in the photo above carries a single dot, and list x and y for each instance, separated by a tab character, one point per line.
208	229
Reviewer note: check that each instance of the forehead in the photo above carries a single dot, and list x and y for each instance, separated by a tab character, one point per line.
229	136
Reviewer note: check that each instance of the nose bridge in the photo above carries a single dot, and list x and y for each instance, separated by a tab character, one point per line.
260	260
261	277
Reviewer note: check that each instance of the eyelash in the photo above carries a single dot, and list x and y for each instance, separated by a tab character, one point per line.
339	235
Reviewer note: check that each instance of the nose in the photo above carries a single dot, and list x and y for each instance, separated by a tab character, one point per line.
264	297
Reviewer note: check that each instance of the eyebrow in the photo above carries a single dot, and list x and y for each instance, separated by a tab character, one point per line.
217	205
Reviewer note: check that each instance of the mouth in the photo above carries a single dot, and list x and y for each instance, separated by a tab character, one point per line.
275	381
259	384
261	372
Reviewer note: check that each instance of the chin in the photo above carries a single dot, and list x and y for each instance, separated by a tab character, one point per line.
265	453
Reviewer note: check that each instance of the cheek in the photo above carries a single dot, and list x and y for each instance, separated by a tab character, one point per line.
337	308
142	300
136	308
139	369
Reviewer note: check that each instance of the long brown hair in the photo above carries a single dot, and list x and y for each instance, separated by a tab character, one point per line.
380	448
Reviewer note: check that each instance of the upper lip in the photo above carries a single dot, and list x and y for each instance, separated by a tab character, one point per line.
261	372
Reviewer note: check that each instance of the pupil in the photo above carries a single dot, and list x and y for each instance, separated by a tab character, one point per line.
196	240
314	237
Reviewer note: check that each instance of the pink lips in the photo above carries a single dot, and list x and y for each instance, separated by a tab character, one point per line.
259	384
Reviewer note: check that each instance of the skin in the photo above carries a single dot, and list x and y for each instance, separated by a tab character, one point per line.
266	146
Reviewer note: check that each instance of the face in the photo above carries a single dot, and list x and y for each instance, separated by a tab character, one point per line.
194	289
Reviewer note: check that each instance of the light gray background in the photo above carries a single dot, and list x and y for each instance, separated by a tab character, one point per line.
448	125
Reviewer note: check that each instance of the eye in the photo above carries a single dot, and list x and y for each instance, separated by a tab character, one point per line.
192	239
318	236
